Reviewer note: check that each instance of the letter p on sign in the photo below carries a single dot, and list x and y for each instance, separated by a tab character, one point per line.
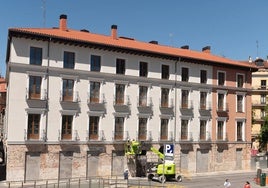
169	149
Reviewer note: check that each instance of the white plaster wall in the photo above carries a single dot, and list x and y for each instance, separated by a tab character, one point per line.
17	114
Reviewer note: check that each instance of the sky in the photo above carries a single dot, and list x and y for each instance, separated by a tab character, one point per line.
235	29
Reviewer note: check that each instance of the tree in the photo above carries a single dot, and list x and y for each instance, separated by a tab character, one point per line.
263	136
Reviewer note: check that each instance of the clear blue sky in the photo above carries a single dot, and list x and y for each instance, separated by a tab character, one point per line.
235	29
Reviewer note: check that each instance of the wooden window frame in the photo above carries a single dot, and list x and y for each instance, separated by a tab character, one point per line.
95	92
35	83
94	127
33	126
66	127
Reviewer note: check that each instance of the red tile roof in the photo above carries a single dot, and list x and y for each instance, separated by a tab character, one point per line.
87	37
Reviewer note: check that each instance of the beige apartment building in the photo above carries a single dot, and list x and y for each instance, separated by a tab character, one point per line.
259	100
74	98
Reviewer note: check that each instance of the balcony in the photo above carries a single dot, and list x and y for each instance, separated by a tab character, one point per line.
166	103
145	106
262	88
96	100
122	105
259	103
120	136
186	105
205	137
95	136
36	96
164	137
30	138
73	98
222	137
144	136
186	137
144	103
121	101
97	104
68	138
205	107
223	107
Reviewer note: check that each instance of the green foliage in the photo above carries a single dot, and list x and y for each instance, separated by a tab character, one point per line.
263	136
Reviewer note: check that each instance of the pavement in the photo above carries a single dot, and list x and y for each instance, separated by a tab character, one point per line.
209	179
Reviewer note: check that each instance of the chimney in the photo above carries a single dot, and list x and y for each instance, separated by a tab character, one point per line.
185	47
63	22
153	42
114	32
206	49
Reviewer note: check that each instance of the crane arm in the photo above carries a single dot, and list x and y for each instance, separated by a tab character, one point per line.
160	155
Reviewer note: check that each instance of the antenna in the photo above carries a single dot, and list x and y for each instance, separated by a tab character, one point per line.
44	13
171	38
257	46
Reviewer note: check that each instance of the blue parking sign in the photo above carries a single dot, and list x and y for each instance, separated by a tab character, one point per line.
169	149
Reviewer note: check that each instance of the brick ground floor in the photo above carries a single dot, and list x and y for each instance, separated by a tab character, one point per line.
51	161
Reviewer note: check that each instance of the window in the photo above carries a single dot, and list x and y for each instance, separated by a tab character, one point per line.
164	97
143	95
263	84
35	87
203	100
263	99
164	129
203	76
221	102
67	89
143	69
240	80
221	78
220	130
203	129
120	66
184	74
95	63
93	127
33	126
35	56
68	60
239	131
263	113
239	103
165	72
94	92
119	128
184	129
66	129
119	94
184	98
142	132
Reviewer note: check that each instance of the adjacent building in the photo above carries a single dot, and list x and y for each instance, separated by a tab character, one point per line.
76	97
259	101
3	91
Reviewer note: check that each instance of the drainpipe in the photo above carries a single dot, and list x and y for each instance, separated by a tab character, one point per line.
47	71
175	102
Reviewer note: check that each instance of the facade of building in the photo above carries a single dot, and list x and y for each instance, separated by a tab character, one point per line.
75	98
3	91
259	101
